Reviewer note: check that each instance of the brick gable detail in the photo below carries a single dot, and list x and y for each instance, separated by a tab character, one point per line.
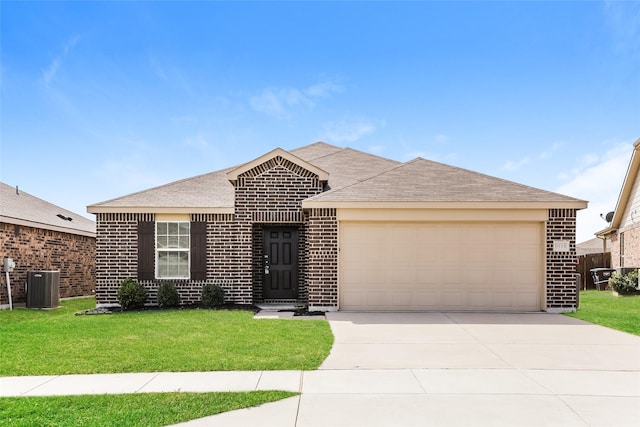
271	194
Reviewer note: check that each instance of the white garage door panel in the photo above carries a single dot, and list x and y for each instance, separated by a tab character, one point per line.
444	266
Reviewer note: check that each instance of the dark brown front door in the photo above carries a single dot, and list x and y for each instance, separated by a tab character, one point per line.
280	263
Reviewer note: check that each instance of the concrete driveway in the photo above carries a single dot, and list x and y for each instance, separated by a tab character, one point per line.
462	369
477	340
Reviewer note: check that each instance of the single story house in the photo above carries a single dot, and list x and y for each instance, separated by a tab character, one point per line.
39	235
624	228
593	246
339	229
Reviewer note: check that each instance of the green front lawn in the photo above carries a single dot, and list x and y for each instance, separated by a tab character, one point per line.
603	308
144	409
46	342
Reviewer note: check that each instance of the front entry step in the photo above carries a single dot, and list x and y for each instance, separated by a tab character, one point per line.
280	306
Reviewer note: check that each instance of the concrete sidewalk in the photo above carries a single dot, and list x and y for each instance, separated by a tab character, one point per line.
407	397
416	369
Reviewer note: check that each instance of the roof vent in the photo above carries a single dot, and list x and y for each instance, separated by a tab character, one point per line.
66	218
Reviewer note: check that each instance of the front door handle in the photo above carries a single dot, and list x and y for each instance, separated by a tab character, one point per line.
266	264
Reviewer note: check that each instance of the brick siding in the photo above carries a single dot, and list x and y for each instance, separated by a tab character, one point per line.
561	292
269	194
39	249
322	274
631	248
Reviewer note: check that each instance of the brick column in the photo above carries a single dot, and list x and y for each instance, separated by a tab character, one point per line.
322	261
561	292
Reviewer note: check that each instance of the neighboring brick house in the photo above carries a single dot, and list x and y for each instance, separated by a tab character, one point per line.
624	228
335	228
41	236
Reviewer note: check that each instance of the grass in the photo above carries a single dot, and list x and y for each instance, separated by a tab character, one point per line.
616	312
52	342
144	409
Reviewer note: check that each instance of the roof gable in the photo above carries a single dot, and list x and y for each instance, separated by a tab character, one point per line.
21	208
423	180
233	174
628	191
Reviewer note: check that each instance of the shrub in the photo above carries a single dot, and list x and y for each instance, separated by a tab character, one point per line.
624	284
212	295
131	294
168	295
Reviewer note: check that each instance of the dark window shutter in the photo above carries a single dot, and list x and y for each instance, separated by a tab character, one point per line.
198	251
146	250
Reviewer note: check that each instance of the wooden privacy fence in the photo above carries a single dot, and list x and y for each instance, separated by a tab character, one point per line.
589	261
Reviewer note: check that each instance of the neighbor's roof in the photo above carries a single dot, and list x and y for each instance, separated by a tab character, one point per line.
626	191
22	208
592	246
423	181
354	176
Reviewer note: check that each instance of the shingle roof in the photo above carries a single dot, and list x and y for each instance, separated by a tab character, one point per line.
353	176
592	246
427	181
214	191
211	190
349	166
19	207
315	150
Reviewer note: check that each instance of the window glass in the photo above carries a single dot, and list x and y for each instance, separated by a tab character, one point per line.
172	249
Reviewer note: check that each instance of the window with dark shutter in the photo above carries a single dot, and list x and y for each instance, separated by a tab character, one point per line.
146	250
198	251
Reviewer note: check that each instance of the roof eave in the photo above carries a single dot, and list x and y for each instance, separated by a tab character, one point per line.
96	209
310	204
627	187
606	233
34	224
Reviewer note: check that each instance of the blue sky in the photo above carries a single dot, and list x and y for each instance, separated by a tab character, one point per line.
101	99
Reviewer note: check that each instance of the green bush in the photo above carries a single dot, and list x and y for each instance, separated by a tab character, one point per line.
624	284
131	294
212	295
168	295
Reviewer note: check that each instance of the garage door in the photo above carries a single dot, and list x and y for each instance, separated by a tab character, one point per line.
441	266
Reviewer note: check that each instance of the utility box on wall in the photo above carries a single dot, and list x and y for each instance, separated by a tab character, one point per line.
43	289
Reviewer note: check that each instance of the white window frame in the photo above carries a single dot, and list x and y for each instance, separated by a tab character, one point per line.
186	250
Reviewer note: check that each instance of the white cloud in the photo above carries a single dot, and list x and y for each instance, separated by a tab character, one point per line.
49	73
624	20
442	138
171	75
199	141
322	90
511	165
347	130
279	102
378	149
599	181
